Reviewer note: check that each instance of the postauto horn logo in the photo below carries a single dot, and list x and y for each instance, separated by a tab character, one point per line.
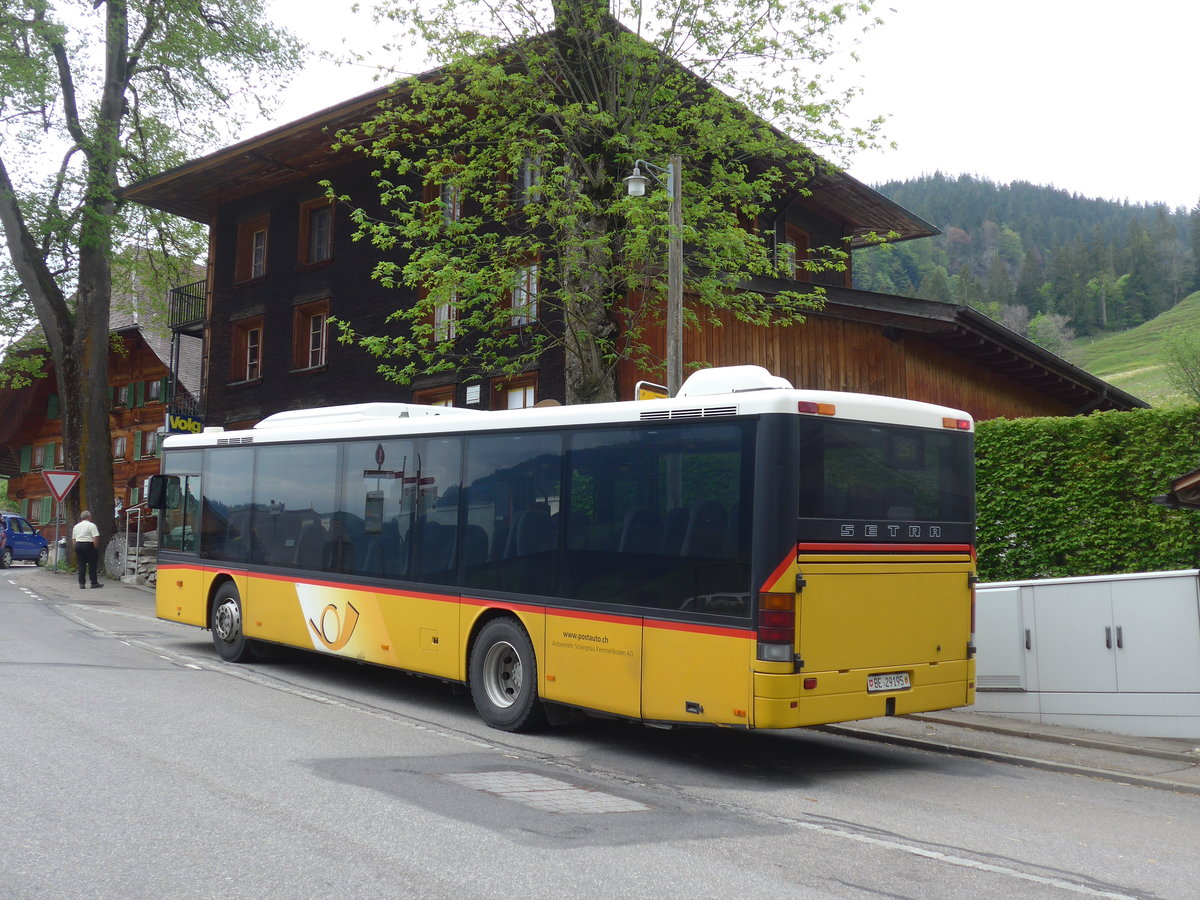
330	623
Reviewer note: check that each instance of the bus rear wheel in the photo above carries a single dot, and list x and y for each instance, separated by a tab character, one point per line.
503	677
228	636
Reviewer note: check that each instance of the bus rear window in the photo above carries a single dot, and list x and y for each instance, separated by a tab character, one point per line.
885	473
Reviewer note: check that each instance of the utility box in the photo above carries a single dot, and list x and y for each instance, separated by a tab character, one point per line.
1114	652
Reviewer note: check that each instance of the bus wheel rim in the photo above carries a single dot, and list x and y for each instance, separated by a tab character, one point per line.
502	674
227	623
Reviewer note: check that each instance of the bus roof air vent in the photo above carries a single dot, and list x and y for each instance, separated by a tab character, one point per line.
705	412
732	380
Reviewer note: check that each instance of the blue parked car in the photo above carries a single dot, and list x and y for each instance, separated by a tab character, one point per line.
18	540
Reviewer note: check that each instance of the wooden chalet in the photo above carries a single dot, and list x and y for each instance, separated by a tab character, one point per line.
281	262
140	386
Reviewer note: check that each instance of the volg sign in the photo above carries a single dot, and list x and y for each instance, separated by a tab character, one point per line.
181	423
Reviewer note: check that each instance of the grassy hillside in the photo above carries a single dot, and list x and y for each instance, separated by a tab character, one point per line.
1130	359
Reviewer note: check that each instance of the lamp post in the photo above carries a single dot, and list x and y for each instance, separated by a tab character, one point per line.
635	184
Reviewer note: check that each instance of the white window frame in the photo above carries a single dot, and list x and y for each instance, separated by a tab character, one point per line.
258	253
525	296
253	353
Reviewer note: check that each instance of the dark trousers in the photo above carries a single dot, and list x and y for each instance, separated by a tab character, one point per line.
87	558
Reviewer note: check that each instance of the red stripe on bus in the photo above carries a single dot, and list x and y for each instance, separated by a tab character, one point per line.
358	588
694	628
610	618
779	570
885	548
503	604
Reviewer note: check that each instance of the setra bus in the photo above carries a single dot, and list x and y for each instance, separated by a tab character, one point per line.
745	554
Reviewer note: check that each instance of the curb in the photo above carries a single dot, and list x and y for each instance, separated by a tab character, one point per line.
1013	759
1016	730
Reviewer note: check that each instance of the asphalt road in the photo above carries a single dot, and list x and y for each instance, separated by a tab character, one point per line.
136	764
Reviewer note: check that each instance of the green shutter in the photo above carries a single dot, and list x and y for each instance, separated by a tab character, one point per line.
137	443
52	407
163	396
47	509
134	496
139	394
48	457
111	396
26	457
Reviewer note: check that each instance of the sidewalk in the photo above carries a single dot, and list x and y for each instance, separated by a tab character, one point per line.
1165	763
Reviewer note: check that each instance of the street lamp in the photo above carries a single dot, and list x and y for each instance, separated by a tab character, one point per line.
636	184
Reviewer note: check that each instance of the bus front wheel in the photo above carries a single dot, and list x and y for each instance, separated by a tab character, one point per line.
228	636
503	677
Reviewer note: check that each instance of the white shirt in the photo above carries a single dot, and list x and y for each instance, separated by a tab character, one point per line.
85	532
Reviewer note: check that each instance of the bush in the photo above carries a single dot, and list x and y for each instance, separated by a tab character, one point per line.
1073	496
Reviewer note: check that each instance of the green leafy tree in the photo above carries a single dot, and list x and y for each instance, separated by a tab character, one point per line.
1194	228
1051	331
513	152
936	286
106	93
1180	351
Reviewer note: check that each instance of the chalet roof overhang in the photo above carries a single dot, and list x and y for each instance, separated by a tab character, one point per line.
302	149
1184	493
976	338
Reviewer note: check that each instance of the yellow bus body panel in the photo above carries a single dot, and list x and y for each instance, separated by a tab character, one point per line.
593	660
697	674
181	594
860	614
781	702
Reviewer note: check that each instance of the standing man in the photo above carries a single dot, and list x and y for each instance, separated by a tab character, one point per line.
87	554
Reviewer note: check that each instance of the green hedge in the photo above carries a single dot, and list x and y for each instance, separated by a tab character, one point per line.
1072	496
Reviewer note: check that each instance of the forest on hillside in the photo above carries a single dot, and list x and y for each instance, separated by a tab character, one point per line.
1046	263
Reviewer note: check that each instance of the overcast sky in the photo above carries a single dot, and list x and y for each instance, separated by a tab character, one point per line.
1092	96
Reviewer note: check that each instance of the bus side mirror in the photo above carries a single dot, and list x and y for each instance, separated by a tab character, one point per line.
163	492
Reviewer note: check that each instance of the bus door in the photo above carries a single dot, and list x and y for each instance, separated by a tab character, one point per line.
182	585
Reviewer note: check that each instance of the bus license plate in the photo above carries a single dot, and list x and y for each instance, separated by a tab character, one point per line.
893	681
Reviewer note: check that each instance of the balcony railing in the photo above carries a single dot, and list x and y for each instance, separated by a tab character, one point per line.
186	304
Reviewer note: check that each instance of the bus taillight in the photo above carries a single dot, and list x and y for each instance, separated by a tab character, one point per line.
776	626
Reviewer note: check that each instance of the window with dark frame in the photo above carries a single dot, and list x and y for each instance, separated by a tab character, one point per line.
310	335
443	396
794	250
246	359
525	296
517	393
445	327
316	231
251	260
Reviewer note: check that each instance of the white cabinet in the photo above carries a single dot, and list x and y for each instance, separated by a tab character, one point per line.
1120	652
1104	636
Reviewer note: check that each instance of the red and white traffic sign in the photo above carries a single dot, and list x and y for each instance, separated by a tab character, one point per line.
60	483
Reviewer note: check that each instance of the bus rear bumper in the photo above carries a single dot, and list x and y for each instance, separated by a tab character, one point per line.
780	701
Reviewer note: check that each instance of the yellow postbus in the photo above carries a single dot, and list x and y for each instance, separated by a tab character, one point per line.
744	554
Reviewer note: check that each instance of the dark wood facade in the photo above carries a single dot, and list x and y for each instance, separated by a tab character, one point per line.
861	342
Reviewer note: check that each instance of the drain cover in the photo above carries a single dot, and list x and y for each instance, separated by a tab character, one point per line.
546	794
